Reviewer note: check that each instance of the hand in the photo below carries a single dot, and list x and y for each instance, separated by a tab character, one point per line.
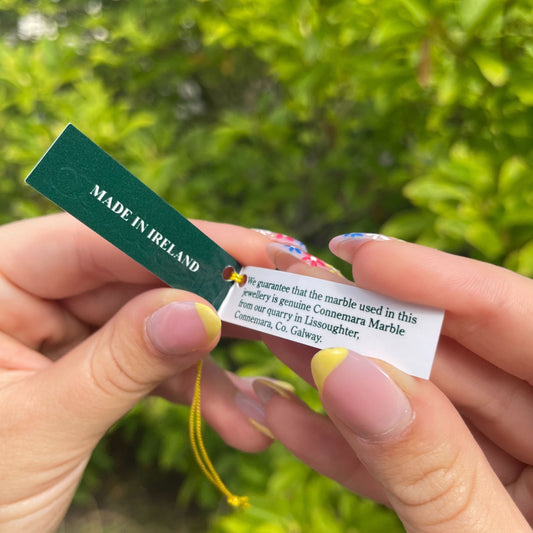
453	454
85	333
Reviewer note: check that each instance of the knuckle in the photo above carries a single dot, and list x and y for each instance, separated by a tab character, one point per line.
486	299
110	372
439	488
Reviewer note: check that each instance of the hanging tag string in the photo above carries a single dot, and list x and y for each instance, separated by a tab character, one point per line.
195	421
200	453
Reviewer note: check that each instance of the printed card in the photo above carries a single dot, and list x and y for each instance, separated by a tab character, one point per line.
326	314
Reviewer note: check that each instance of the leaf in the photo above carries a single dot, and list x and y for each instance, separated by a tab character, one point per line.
418	10
449	89
484	238
524	91
512	171
390	30
428	189
473	12
407	225
525	260
518	216
492	67
454	228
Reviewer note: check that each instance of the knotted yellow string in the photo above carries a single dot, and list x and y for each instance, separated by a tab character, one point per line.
238	278
198	448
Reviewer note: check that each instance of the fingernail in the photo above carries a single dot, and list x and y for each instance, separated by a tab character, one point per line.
364	237
266	388
329	360
345	245
261	428
249	407
253	411
360	393
359	237
183	327
306	257
211	320
281	238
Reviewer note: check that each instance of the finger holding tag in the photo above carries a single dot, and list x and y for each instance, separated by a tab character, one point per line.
94	278
289	258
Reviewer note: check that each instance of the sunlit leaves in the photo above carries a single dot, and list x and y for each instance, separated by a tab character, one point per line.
310	117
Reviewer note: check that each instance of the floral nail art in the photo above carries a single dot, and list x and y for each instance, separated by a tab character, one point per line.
311	260
281	238
366	236
344	246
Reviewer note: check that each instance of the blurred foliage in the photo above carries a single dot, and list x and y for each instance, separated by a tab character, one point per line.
309	117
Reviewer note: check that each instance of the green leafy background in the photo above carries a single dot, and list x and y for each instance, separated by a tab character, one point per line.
308	117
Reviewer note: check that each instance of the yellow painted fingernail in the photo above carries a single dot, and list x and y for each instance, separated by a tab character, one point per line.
282	386
210	319
266	388
261	428
324	362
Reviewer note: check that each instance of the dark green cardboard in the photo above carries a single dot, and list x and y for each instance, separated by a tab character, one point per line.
89	184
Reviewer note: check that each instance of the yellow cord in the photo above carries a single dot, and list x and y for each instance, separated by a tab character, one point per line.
198	448
238	278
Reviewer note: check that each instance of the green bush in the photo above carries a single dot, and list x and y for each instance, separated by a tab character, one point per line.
310	117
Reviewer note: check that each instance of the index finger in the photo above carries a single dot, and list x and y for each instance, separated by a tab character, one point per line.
488	308
57	256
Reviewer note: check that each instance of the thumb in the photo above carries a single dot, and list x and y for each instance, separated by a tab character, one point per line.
152	338
412	440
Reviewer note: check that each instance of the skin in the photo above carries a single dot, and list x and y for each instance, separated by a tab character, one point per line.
462	462
75	356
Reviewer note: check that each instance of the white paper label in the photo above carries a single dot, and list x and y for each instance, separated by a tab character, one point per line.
325	314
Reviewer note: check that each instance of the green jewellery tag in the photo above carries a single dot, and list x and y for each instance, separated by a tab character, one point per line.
85	181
